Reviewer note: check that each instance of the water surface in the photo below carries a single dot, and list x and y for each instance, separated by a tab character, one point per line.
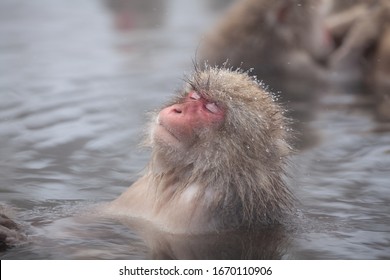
76	81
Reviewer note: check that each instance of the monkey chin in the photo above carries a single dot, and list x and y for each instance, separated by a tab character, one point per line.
163	137
162	134
219	152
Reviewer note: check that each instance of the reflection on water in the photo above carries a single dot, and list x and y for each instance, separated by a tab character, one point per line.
76	79
268	243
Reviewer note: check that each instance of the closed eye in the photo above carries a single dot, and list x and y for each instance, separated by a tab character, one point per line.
194	95
212	107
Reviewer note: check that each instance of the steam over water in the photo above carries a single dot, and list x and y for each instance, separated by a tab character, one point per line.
76	81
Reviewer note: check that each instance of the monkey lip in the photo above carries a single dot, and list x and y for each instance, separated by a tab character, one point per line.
166	129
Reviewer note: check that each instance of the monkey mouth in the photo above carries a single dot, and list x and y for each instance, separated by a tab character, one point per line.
162	126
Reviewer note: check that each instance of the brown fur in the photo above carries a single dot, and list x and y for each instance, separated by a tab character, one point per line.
358	30
344	15
381	74
279	37
11	233
230	178
364	52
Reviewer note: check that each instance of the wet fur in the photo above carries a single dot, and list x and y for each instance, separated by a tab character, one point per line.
230	178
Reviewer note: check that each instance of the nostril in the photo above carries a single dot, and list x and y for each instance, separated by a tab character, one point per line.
177	110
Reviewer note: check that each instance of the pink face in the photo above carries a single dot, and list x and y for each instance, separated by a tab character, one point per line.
179	125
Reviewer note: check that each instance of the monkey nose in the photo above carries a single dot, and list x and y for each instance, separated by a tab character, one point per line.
177	110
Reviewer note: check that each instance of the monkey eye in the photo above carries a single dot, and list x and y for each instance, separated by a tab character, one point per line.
194	95
212	107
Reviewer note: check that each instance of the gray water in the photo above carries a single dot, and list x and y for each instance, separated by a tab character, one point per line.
76	81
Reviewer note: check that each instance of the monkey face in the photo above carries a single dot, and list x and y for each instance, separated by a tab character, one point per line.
182	124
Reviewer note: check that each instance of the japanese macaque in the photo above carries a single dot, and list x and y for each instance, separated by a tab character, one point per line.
344	14
219	151
136	14
280	40
381	75
358	30
364	52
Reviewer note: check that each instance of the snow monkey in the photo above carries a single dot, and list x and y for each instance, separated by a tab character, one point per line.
219	152
280	40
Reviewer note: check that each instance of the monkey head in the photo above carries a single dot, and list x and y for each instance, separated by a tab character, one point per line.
224	129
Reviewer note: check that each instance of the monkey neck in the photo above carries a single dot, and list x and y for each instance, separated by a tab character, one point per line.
255	196
165	173
176	178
